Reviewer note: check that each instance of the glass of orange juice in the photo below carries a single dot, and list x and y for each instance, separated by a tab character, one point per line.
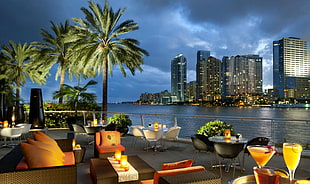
261	154
291	155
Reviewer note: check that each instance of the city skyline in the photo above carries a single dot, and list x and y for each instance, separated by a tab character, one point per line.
167	28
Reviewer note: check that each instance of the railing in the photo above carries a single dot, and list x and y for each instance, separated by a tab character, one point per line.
277	129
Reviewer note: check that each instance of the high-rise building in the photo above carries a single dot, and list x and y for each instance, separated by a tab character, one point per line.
202	56
178	78
210	80
242	75
291	67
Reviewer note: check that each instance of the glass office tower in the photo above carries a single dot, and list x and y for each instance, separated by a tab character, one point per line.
291	67
242	75
202	56
178	78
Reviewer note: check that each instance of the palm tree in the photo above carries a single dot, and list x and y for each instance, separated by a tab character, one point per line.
99	44
75	95
18	68
55	50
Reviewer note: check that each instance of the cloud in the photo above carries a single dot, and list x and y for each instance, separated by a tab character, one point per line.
168	28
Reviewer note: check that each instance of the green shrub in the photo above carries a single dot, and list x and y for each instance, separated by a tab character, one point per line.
213	128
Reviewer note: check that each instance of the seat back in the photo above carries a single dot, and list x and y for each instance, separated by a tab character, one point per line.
228	150
153	135
199	144
26	127
6	132
79	129
173	133
256	141
136	131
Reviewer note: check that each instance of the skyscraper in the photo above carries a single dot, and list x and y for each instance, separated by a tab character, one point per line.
202	55
242	75
178	78
291	67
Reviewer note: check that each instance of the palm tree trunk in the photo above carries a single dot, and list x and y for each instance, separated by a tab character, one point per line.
62	81
104	107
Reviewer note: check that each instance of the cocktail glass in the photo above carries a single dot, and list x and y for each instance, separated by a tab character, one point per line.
261	154
291	155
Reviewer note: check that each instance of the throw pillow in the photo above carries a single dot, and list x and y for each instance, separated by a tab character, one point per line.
49	147
177	165
37	157
110	138
42	137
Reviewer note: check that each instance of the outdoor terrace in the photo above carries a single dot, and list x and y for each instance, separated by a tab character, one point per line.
175	152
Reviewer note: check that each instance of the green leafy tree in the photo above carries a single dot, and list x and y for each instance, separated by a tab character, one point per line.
99	44
17	67
56	50
75	95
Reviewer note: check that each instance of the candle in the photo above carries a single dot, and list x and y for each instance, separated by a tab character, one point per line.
95	122
117	155
73	143
156	126
5	124
227	133
124	163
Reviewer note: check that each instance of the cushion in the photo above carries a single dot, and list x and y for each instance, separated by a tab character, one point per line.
51	147
38	157
158	174
109	149
42	137
177	165
110	138
69	159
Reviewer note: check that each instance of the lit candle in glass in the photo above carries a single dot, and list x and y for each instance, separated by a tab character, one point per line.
95	122
227	133
156	126
124	163
73	143
5	124
117	155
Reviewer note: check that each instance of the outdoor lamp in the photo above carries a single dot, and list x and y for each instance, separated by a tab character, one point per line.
117	155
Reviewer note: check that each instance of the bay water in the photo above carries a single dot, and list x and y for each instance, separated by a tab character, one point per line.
279	124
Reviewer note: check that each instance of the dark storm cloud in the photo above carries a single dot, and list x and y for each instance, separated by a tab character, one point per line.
168	28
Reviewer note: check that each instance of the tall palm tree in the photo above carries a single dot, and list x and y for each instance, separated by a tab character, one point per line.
18	68
55	51
100	44
76	94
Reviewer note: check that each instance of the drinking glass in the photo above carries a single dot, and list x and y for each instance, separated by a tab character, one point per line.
291	155
261	154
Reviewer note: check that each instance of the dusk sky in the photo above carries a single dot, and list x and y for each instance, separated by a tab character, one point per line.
167	28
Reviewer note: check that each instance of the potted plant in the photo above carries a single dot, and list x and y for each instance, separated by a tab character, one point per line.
121	122
211	129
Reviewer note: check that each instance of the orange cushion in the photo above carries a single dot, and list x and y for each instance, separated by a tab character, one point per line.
69	159
151	181
50	147
110	138
158	174
37	157
22	164
108	149
42	137
177	165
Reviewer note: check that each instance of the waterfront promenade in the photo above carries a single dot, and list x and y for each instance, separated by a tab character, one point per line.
175	152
